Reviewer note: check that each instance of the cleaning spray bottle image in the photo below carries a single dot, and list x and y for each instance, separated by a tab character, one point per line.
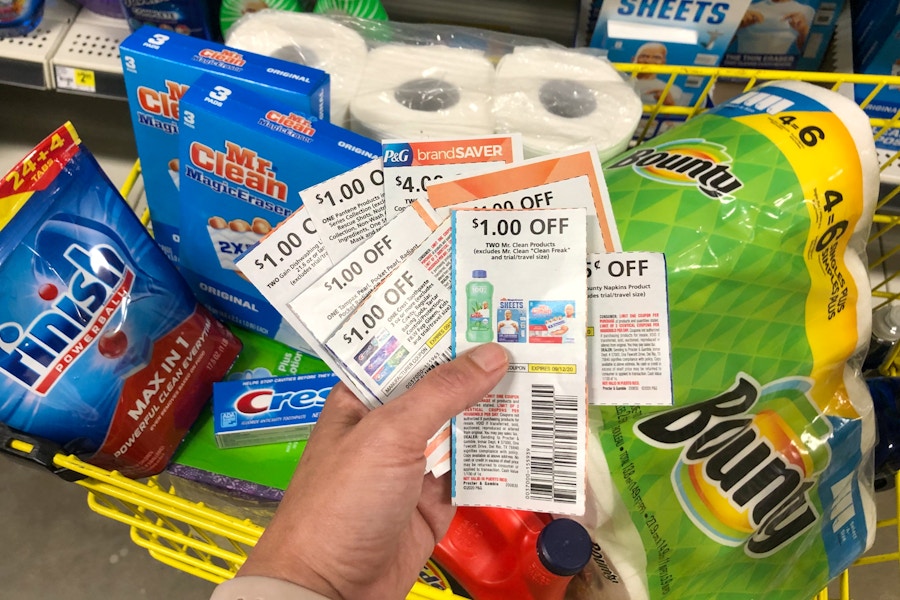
479	302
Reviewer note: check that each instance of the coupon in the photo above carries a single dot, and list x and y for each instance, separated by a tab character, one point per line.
566	180
286	261
518	279
629	353
411	166
348	209
402	329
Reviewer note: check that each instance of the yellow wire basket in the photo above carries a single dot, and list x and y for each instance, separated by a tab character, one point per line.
204	542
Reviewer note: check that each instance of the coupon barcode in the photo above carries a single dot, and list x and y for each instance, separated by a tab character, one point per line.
554	445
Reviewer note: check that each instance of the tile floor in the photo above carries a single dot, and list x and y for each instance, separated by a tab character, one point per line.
53	545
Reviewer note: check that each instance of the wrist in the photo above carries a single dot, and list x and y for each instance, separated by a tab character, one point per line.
291	569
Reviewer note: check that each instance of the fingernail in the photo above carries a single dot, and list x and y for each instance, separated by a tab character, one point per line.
489	357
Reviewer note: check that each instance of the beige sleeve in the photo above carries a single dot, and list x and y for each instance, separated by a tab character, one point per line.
262	588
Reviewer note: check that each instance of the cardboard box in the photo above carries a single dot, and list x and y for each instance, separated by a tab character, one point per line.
159	66
784	34
252	412
244	158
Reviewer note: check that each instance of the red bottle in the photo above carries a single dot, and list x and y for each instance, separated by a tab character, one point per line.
498	553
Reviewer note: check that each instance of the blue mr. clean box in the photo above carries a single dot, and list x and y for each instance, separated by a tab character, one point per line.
159	67
244	158
251	412
876	51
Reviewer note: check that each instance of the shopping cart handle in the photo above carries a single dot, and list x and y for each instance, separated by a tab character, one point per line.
34	451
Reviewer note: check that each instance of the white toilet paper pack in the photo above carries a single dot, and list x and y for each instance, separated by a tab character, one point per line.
564	99
423	92
308	39
754	485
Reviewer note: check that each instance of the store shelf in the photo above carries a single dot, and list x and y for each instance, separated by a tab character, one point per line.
71	50
25	60
87	61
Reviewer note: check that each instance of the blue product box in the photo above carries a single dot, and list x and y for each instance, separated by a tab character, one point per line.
252	412
668	32
244	158
784	34
159	66
879	54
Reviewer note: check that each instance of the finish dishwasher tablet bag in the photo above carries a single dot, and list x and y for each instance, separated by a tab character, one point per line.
103	349
756	483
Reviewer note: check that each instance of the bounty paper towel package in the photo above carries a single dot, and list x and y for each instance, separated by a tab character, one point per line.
159	67
244	159
307	39
755	484
560	100
783	34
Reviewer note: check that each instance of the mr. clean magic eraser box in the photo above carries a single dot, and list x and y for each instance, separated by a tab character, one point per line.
159	67
244	158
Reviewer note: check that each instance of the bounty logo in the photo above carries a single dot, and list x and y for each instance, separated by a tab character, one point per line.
254	402
38	355
748	459
690	162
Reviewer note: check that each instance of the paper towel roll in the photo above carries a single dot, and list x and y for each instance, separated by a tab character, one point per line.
312	40
423	92
562	99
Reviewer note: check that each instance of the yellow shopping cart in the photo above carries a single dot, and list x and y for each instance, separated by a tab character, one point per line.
209	544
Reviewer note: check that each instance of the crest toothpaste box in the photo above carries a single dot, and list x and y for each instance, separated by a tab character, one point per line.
159	66
244	158
252	412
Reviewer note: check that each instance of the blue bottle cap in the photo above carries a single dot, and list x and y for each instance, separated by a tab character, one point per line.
479	274
564	547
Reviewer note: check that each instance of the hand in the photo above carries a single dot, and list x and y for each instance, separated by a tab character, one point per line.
359	519
751	17
800	24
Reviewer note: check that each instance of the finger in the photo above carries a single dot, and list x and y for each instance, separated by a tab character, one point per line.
447	390
342	409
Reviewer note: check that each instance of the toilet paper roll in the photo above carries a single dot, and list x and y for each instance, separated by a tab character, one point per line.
312	40
562	99
423	92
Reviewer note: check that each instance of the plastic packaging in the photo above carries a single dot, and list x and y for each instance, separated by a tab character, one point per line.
885	336
232	10
18	17
107	8
197	18
498	553
886	398
103	348
479	297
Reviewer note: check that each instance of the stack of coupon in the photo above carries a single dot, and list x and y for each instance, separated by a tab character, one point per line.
398	265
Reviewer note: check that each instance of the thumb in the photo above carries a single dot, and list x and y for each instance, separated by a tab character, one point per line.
447	390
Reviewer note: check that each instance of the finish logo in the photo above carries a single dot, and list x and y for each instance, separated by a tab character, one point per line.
40	354
692	162
748	460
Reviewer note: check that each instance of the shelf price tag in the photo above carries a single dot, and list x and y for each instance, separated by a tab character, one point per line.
628	330
348	209
79	80
411	166
518	280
